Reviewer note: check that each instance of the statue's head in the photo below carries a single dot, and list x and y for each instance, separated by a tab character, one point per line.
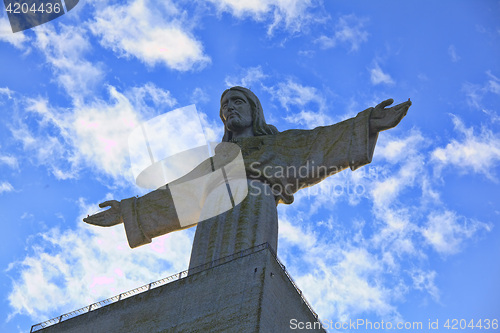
255	120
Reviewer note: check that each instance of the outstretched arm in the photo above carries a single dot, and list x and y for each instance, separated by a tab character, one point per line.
155	214
144	218
383	118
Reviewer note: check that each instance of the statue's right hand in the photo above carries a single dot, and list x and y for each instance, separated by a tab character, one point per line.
107	218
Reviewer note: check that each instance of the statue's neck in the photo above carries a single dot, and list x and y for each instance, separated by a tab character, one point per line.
245	133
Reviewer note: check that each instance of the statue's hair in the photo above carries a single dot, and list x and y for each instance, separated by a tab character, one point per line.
259	125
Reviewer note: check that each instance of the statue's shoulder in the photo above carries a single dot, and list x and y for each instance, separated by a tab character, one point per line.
288	137
291	136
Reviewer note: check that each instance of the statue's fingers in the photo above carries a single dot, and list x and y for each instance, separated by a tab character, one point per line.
104	204
107	203
385	103
406	104
103	219
96	219
403	107
90	220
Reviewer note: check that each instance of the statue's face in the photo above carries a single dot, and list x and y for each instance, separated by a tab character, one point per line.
236	111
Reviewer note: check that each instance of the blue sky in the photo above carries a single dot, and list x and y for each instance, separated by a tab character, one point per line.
417	240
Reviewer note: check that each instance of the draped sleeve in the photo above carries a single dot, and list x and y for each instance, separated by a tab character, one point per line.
149	216
295	159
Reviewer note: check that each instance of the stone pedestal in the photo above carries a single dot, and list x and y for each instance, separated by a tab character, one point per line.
246	292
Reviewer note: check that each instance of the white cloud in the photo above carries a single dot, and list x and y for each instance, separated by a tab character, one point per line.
396	231
17	39
100	133
27	215
93	134
240	8
400	228
425	280
422	77
251	76
64	51
349	287
309	119
482	96
405	171
476	153
404	152
150	92
340	279
344	267
474	94
325	42
493	85
6	187
6	91
349	30
41	145
446	232
397	150
295	235
291	93
69	269
292	14
154	36
10	161
452	52
199	96
212	129
377	76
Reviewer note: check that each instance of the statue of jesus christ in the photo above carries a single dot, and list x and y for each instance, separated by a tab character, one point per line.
269	158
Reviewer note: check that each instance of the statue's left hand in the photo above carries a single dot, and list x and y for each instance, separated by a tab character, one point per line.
108	217
383	118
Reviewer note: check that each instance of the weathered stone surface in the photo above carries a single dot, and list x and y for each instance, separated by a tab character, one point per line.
248	294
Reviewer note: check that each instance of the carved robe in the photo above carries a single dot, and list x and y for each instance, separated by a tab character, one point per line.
276	167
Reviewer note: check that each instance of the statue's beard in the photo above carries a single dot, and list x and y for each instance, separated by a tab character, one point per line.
235	125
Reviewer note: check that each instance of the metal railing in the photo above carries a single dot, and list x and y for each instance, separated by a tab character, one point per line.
168	279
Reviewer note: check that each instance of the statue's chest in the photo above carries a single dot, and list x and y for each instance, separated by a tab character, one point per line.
252	149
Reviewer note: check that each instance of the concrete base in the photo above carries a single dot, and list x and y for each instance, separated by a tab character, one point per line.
250	293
